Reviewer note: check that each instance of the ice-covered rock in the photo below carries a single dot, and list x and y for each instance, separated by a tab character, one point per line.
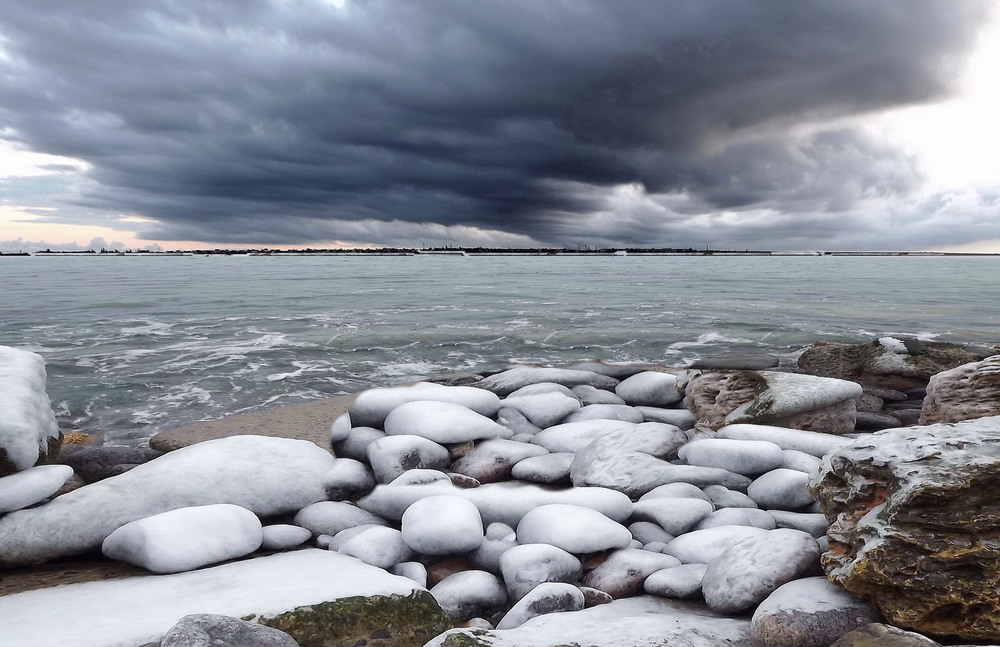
470	594
391	456
28	487
511	380
412	570
723	497
702	546
506	502
574	436
206	629
298	592
746	573
963	393
340	428
681	418
421	476
441	422
28	429
356	444
811	442
782	489
546	598
283	536
498	538
635	622
379	546
442	525
795	460
541	387
330	517
591	395
548	468
675	516
543	409
573	528
371	407
624	571
525	566
679	490
268	476
810	612
516	423
621	412
492	460
814	523
738	517
682	581
649	389
348	479
802	401
186	538
747	457
649	532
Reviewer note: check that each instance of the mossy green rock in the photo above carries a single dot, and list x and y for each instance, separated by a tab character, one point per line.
376	621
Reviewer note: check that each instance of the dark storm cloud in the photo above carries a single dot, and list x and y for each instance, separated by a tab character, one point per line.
290	121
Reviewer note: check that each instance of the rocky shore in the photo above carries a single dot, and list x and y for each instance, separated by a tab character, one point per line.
847	500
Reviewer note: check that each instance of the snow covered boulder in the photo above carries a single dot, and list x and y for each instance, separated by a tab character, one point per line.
268	476
442	525
28	430
505	383
810	612
318	597
371	407
526	566
391	456
573	528
811	442
543	409
27	488
963	393
186	538
492	460
574	436
747	457
442	422
548	597
649	389
624	571
377	545
470	594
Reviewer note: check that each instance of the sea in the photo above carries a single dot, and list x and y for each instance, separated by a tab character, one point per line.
141	343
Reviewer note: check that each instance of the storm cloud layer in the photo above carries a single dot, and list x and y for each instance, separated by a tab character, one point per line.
507	122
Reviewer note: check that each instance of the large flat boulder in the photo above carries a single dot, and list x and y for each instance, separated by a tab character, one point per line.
965	392
28	430
318	597
267	476
913	525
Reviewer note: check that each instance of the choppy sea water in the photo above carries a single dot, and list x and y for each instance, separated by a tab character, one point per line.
138	344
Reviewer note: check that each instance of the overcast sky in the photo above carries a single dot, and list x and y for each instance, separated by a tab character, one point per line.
777	124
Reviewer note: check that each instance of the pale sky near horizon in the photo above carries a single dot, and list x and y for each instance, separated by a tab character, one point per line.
313	123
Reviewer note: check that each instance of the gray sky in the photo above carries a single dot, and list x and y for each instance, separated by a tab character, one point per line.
738	123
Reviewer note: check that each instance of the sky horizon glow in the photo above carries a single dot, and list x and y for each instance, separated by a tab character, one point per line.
838	125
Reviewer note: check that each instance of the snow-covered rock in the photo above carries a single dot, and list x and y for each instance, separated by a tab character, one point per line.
702	546
746	573
814	523
802	401
330	517
28	429
268	476
411	570
498	538
355	446
681	418
543	409
723	497
795	460
492	460
516	422
548	469
747	457
682	581
621	412
526	566
546	598
391	456
675	516
283	536
441	422
318	585
624	571
573	528
28	487
574	436
678	490
738	517
442	525
809	612
371	407
186	538
811	442
511	380
348	479
379	546
648	532
340	428
212	629
782	489
541	387
506	502
591	395
635	622
649	389
470	594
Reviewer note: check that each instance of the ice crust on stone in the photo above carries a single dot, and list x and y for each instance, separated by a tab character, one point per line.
682	581
525	566
28	487
391	456
268	476
28	423
511	380
186	538
283	536
675	516
543	409
573	528
550	468
331	517
811	442
649	389
441	422
747	457
371	407
146	607
468	593
574	436
442	525
702	546
782	489
379	546
548	597
681	418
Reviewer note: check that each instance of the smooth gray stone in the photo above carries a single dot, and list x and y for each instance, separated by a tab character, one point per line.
94	464
682	581
210	630
782	489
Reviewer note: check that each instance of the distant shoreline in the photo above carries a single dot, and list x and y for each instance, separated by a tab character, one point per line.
481	251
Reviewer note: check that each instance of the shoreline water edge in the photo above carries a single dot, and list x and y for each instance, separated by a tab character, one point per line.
610	503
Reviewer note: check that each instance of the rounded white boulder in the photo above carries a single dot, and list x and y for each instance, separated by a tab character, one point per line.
573	528
650	389
442	525
745	457
783	489
442	422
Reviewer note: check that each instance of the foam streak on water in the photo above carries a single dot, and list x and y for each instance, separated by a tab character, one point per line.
135	345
